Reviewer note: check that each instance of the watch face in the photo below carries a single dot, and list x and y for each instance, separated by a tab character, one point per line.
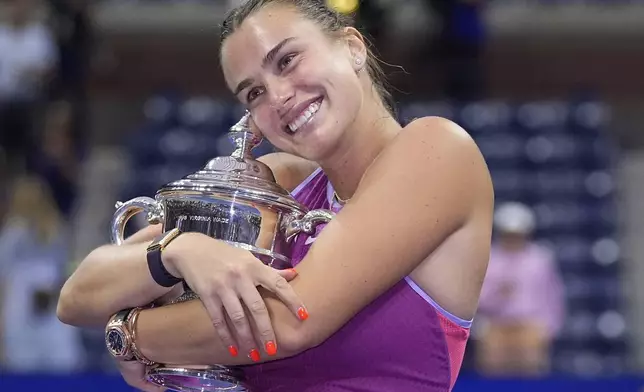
115	341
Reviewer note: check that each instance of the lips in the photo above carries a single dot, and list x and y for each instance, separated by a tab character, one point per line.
300	114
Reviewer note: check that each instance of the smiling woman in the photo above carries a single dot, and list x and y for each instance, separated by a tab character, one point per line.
313	41
382	300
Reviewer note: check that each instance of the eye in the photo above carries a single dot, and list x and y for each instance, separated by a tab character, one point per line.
286	61
253	93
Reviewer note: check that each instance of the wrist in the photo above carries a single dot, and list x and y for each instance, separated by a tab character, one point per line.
173	253
168	259
155	256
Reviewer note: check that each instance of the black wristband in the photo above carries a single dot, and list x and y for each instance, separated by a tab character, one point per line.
158	271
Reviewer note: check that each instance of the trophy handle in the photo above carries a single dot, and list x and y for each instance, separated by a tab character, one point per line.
243	138
125	211
293	224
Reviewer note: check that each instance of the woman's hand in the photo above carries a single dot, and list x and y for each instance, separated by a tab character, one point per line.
224	277
134	373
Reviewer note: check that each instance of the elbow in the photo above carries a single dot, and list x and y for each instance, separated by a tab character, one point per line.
296	340
72	310
73	307
66	309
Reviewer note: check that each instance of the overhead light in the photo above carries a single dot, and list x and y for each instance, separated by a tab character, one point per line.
344	6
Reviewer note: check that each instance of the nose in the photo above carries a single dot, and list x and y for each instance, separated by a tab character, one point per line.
281	93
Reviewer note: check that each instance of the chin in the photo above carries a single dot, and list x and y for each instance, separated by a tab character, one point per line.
317	149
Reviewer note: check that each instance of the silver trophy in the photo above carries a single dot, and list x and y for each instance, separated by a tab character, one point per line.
234	199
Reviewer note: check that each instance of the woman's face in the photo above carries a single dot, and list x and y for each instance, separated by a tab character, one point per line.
301	86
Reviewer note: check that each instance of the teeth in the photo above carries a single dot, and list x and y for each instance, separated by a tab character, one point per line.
305	117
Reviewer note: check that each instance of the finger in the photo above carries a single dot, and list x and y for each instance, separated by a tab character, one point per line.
134	375
215	309
146	234
288	274
149	387
276	283
240	323
256	306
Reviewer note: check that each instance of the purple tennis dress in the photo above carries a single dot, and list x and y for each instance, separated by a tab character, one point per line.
402	342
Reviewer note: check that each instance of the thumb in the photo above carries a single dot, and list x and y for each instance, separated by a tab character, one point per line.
288	274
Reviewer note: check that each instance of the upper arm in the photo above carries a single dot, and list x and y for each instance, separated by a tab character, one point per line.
423	188
289	170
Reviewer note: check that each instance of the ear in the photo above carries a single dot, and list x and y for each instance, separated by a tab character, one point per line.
357	48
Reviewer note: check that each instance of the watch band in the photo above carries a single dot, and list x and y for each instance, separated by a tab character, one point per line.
155	263
132	319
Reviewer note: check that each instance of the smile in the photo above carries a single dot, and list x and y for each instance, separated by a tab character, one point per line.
304	118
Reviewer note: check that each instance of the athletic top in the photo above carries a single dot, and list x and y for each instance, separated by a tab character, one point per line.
403	341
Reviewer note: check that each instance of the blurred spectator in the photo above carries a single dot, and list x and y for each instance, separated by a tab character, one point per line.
27	58
33	252
522	307
460	47
55	159
73	28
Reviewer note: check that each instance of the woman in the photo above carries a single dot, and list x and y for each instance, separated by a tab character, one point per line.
412	231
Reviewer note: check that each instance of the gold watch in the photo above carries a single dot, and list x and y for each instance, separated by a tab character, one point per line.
118	337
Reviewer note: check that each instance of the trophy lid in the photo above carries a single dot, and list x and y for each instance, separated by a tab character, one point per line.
236	176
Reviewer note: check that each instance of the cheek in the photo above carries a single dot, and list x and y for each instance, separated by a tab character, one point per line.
327	66
341	78
268	125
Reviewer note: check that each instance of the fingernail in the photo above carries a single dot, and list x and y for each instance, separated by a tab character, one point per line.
271	348
233	350
302	313
254	355
293	270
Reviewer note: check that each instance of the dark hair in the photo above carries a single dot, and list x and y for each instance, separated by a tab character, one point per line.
328	19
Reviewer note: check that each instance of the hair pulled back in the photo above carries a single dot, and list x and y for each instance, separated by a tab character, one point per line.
328	19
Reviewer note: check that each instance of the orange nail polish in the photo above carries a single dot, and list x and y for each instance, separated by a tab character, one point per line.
271	348
293	270
254	355
302	313
233	351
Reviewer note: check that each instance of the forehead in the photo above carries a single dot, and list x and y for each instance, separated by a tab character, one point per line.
243	51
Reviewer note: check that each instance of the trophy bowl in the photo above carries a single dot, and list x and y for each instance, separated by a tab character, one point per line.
234	199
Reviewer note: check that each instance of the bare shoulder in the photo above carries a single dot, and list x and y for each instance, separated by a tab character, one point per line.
432	149
433	135
289	170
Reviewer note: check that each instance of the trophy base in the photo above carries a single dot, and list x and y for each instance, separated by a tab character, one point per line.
197	379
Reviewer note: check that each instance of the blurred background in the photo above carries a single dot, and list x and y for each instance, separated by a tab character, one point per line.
106	100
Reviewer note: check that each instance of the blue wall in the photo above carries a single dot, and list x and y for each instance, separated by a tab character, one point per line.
103	383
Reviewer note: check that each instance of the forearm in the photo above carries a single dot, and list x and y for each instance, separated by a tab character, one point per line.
111	278
183	334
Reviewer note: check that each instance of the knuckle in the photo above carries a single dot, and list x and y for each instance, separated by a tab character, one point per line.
257	306
235	271
281	283
218	323
225	337
216	284
209	291
266	333
238	318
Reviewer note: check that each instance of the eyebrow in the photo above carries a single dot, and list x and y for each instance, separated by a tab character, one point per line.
270	56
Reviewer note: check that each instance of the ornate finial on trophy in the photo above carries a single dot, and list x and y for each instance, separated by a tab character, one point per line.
243	138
